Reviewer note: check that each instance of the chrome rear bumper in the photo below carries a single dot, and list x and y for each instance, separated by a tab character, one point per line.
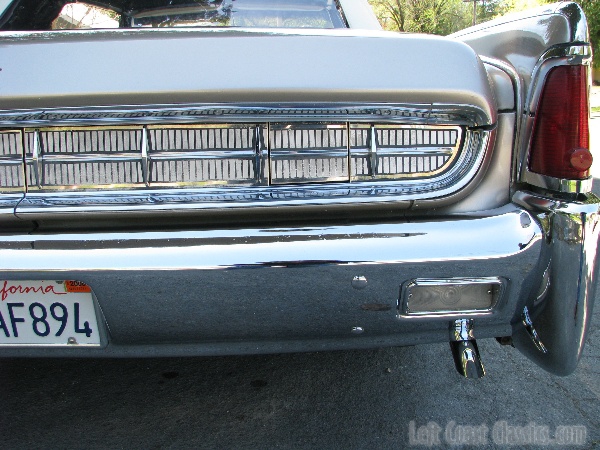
254	290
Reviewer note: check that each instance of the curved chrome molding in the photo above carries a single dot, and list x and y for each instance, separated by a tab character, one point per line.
9	201
554	57
563	55
422	114
532	201
558	184
519	101
457	178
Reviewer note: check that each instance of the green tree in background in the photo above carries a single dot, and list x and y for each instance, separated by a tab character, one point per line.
592	13
423	16
490	9
447	16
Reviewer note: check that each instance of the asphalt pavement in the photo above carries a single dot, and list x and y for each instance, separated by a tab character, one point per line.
387	399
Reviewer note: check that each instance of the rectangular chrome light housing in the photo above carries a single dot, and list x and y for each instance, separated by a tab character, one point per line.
455	296
11	161
85	157
206	155
396	151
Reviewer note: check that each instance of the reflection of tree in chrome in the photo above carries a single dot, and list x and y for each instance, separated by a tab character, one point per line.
82	15
203	13
294	19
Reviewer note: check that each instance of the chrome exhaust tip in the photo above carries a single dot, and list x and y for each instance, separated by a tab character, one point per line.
464	349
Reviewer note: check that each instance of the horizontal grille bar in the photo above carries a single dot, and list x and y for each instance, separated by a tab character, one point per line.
243	154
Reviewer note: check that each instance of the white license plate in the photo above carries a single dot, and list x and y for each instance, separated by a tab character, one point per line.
47	313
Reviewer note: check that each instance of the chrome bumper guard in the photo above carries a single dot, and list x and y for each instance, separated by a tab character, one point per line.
562	307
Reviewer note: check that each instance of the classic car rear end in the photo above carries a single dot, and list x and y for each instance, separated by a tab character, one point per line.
202	190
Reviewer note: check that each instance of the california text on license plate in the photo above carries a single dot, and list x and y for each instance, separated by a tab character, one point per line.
47	313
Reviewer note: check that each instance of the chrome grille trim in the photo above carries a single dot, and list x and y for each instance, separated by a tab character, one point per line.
446	167
413	152
101	158
308	153
169	201
422	114
83	157
217	154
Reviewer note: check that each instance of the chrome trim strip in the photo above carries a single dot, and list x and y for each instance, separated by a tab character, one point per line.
537	202
361	245
36	159
11	160
373	150
425	114
145	158
559	184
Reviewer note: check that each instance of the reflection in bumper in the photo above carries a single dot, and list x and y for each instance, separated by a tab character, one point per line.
294	289
562	309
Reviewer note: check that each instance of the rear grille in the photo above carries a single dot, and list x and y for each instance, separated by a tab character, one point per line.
84	158
11	161
252	154
202	154
402	152
305	153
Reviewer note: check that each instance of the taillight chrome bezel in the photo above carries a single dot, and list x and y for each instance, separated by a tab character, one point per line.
568	55
467	168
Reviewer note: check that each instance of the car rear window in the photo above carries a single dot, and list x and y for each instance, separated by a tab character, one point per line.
57	14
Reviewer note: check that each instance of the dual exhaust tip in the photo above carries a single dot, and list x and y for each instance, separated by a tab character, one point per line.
464	347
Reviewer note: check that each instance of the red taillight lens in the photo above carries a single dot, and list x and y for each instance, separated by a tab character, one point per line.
561	137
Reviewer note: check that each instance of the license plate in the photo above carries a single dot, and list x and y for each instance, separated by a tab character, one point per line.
53	313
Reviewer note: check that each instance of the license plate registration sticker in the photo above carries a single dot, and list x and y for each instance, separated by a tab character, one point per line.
57	313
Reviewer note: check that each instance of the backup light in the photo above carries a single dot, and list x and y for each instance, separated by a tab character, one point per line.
450	296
